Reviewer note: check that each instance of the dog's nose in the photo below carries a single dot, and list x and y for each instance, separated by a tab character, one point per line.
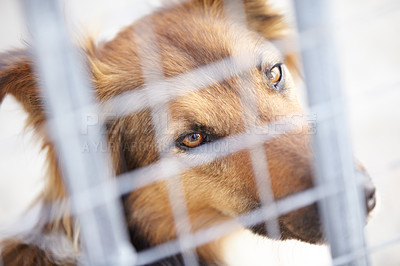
370	198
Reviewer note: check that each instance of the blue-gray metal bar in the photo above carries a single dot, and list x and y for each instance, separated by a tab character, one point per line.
235	12
343	214
69	100
153	77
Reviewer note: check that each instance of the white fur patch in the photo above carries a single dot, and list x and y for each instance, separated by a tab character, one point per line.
245	248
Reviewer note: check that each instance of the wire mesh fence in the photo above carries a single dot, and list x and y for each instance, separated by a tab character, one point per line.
93	192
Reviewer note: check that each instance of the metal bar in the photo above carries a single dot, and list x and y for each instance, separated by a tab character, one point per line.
342	215
151	66
236	13
66	89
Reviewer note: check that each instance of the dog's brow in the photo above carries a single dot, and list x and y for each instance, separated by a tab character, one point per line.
269	54
195	126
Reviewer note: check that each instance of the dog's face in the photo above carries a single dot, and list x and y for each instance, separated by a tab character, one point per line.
187	38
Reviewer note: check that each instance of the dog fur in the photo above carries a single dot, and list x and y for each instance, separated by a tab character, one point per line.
188	35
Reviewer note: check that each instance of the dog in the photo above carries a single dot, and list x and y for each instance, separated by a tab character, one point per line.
185	37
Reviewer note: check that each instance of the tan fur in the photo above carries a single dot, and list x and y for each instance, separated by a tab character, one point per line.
188	36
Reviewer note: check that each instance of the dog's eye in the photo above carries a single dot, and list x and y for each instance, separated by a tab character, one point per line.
193	140
275	76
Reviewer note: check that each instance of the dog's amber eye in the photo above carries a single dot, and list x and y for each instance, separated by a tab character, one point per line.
275	74
193	140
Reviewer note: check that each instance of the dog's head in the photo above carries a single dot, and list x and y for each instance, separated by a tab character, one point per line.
228	79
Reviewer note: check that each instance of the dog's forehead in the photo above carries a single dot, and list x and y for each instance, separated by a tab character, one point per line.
175	42
181	40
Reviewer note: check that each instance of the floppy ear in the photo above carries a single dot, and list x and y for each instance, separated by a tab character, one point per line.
261	16
264	19
17	78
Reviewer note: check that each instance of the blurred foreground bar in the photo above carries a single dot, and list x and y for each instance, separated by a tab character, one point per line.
343	214
70	100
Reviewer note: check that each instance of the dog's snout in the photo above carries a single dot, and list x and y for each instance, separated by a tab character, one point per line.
370	197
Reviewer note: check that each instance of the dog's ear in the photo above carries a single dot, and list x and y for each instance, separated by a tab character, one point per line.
264	19
261	16
18	79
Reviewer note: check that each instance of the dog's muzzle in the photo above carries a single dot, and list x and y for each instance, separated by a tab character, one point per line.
370	195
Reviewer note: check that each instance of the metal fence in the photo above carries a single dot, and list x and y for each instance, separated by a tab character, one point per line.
94	193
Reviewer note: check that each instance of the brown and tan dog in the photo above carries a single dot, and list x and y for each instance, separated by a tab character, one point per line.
188	36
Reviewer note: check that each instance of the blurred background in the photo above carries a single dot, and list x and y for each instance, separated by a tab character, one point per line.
368	44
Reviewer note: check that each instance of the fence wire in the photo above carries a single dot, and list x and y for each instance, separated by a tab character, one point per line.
66	88
343	215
